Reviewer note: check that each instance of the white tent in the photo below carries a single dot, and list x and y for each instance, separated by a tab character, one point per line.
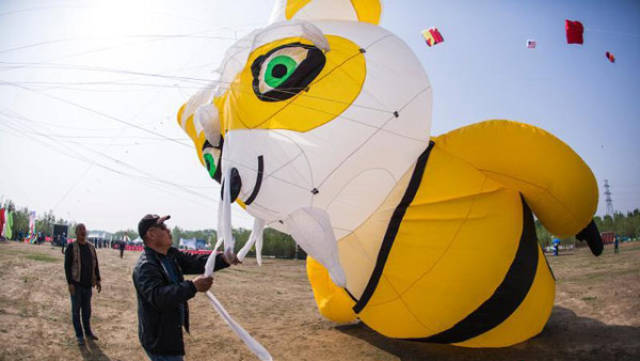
137	241
187	243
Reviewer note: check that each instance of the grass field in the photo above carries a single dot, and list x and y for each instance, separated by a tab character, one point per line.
596	317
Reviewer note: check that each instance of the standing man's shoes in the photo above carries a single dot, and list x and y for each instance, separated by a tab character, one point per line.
81	342
93	337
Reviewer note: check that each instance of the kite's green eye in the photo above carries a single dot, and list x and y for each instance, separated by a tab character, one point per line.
211	164
279	70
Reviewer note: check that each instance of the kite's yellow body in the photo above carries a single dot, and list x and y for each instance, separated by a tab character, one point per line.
464	265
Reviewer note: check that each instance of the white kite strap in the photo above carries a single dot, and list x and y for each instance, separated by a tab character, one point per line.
253	345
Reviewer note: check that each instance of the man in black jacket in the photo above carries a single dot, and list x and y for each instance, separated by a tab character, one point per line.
162	291
122	246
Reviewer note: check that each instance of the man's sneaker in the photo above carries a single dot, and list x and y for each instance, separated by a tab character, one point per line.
80	341
92	337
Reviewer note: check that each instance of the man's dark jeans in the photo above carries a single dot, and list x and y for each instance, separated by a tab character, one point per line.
81	300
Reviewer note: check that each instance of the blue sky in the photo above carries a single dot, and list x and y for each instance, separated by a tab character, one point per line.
483	70
74	91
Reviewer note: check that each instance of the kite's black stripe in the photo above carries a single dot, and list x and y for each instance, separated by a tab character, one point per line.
392	229
350	295
256	188
507	297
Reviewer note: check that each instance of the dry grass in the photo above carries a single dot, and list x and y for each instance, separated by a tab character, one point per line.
597	314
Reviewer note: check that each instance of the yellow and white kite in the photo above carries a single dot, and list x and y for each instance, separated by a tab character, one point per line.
319	126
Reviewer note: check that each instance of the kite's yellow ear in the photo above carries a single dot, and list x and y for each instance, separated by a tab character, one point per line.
355	10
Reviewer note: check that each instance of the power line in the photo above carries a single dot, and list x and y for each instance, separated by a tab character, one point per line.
81	177
106	116
146	176
153	37
148	182
102	69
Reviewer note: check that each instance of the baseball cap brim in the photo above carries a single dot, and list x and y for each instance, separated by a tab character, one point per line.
149	221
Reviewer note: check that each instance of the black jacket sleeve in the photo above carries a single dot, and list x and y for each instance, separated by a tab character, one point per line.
194	264
152	287
98	279
68	260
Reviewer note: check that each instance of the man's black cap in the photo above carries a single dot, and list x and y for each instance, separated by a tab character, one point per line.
148	221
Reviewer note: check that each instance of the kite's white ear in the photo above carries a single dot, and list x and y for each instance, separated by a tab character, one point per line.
354	10
207	116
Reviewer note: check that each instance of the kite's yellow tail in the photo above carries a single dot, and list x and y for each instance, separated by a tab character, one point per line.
556	183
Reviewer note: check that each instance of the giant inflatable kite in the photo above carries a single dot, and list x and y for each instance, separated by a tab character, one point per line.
319	126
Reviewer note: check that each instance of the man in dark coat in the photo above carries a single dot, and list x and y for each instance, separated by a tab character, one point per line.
82	272
121	245
162	291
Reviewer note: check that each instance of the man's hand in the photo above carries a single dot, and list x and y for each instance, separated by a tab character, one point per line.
72	289
230	258
98	287
202	283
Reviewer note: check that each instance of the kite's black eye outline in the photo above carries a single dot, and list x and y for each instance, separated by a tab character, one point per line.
279	76
212	156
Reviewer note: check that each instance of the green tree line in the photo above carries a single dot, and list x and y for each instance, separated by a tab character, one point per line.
281	245
275	243
623	225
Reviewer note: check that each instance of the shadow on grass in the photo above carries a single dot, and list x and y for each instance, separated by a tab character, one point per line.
565	337
91	351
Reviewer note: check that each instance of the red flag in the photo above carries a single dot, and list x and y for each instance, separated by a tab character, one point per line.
1	220
574	31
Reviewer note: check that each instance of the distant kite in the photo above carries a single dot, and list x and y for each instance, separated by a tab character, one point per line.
574	31
432	36
610	57
531	44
